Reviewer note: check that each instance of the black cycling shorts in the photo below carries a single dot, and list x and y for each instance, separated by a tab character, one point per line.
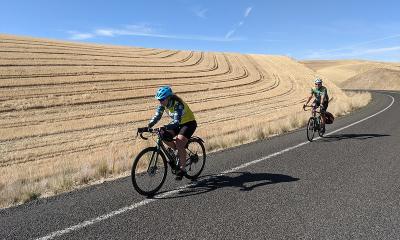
324	106
186	129
167	136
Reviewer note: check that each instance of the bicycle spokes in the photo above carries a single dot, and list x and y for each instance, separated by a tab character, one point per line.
196	158
149	171
193	157
311	128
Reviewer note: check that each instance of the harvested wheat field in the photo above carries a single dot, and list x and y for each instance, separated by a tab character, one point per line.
69	111
352	74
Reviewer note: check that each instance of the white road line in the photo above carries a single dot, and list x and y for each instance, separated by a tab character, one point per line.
169	193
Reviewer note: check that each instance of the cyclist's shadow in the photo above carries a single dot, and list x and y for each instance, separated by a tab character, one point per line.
338	137
244	181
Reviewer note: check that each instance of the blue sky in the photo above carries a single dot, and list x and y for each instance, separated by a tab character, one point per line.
301	29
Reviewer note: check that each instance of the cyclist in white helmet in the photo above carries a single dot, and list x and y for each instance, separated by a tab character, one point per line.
321	100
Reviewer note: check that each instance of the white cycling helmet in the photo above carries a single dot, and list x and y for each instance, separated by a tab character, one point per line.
318	81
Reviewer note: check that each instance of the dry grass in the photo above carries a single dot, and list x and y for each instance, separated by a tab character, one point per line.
68	111
353	74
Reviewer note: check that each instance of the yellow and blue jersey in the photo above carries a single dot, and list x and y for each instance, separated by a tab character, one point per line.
178	111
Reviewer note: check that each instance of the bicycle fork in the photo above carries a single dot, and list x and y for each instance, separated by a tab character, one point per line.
152	167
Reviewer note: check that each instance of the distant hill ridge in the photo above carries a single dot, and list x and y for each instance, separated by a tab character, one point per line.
358	74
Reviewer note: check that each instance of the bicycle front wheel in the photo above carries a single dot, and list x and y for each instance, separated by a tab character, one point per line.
196	158
320	133
149	171
310	129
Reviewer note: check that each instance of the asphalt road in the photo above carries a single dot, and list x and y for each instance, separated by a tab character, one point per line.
344	186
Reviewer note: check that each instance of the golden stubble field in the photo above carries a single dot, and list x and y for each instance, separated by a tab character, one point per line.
357	74
69	111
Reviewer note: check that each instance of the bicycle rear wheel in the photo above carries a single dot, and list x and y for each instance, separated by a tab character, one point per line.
149	171
310	129
196	158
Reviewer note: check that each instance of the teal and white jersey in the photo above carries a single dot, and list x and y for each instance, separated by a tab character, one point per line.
319	92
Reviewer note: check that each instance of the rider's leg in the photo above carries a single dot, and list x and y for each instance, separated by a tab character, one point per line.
170	144
322	120
181	142
324	106
185	132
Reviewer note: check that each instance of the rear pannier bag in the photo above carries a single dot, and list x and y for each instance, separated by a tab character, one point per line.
329	118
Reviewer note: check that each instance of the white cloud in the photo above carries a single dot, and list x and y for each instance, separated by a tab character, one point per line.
247	12
80	36
241	23
128	30
230	33
381	50
143	28
365	49
201	13
353	46
144	31
384	52
105	32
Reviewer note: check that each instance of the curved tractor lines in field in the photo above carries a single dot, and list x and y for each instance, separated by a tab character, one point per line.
63	103
34	84
54	91
119	96
76	69
222	80
29	48
80	46
140	98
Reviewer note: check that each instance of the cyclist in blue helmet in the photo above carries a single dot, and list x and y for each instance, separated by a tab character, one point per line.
182	126
321	100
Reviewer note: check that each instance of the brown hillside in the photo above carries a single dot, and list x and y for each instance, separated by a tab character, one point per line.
342	71
379	79
69	111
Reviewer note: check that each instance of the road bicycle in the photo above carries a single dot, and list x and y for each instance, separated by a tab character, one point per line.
314	123
149	169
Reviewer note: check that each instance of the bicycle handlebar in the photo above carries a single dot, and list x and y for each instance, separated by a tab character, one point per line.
140	132
305	106
310	106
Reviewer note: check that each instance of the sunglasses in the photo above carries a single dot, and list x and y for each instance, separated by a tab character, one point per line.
161	100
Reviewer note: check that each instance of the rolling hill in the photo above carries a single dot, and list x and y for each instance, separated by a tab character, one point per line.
69	111
352	74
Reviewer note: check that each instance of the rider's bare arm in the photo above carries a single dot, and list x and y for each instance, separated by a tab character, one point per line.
308	100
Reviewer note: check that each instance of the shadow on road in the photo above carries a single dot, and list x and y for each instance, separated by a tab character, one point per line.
339	137
244	181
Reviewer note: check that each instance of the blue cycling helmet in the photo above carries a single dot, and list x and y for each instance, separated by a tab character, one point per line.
163	92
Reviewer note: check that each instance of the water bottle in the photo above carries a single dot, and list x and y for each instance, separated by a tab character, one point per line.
171	154
176	158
